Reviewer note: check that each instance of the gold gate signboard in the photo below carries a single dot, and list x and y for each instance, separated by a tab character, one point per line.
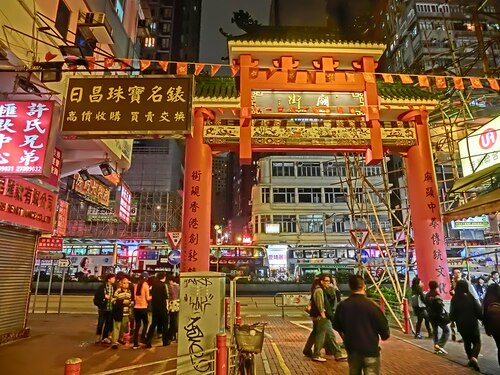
128	107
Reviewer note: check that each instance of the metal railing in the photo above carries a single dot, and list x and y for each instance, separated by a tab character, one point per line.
291	300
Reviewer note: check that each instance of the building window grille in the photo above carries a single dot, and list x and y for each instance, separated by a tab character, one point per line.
311	223
309	195
283	169
266	195
62	18
149	42
167	13
308	169
283	195
335	227
335	195
288	223
331	169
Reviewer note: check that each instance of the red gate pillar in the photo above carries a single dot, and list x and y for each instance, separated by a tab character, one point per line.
430	248
196	208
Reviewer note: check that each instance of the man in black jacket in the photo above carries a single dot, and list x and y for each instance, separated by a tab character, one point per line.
159	300
360	322
102	300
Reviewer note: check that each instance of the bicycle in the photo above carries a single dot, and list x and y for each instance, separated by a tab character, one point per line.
249	341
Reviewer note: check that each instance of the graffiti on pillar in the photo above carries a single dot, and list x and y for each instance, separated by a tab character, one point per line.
199	298
193	223
436	236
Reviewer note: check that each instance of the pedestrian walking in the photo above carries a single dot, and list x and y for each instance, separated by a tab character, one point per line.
361	324
142	298
320	314
480	287
159	300
491	314
419	308
465	311
173	307
494	278
438	317
103	301
333	295
122	303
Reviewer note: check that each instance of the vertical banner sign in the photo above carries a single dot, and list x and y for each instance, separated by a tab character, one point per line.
55	168
197	201
430	249
61	219
123	203
201	318
24	138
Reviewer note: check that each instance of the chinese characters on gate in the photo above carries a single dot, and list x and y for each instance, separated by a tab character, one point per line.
436	238
128	107
24	134
194	207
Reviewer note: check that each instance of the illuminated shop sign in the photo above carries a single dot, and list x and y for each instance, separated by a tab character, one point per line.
93	190
123	203
128	107
481	149
61	218
24	138
276	104
26	204
475	222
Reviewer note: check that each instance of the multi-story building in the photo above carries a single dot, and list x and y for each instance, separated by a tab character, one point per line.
303	208
458	38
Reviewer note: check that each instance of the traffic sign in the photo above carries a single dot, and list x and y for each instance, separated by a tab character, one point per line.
174	257
62	263
175	239
359	237
365	257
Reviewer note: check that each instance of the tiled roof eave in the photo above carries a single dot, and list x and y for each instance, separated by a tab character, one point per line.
219	102
305	43
411	101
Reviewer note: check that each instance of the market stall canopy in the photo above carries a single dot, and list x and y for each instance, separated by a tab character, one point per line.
476	179
484	204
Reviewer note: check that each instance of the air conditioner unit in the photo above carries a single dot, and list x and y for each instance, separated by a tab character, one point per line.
95	26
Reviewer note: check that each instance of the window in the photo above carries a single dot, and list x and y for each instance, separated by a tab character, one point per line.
149	42
265	195
308	169
256	224
283	169
311	223
309	195
331	169
335	195
62	18
288	223
264	219
165	43
283	195
165	27
372	171
167	12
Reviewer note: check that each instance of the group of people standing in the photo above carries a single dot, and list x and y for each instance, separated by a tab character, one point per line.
467	309
359	322
151	303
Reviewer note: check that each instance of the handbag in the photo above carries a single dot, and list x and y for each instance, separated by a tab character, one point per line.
174	305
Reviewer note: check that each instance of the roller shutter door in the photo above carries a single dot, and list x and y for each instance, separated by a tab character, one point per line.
17	250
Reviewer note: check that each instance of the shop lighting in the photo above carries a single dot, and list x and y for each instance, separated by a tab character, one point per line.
25	84
51	71
84	174
106	169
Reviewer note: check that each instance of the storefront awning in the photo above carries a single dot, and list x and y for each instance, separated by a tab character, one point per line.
484	204
476	179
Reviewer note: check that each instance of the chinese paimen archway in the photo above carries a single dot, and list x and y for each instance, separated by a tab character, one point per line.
309	95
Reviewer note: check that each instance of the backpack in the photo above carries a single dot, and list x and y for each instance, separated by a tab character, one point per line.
98	297
492	317
416	302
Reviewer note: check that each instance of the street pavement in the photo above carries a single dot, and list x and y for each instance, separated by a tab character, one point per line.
58	337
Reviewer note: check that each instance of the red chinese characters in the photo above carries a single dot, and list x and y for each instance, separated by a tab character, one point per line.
24	134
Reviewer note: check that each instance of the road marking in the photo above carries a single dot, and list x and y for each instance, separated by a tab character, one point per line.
281	361
301	325
253	316
265	362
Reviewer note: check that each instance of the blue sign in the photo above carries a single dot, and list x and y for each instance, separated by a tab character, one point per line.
174	257
365	257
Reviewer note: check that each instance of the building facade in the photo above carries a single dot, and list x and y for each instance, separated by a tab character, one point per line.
303	208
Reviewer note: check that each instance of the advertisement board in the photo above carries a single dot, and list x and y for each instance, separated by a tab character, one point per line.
123	203
26	204
125	107
481	149
24	138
